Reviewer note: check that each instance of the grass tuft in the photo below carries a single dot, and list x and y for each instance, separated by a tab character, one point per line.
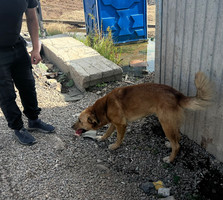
103	44
56	28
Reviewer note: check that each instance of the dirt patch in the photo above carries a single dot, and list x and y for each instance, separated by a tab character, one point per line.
63	10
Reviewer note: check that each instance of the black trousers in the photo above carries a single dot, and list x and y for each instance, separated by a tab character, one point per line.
16	69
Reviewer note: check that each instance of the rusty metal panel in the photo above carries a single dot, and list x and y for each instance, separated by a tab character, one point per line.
189	38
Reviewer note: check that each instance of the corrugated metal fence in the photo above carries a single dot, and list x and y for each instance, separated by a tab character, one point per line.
189	38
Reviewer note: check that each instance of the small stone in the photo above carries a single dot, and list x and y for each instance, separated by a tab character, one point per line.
59	87
49	66
102	167
59	145
52	83
165	192
74	92
145	72
69	98
148	187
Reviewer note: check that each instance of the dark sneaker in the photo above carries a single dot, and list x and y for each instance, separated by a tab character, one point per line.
24	137
38	125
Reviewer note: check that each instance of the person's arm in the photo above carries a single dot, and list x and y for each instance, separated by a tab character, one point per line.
33	28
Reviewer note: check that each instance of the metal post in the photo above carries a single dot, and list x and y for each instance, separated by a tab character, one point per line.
40	19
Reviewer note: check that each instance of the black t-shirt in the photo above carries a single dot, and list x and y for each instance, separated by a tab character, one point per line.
11	12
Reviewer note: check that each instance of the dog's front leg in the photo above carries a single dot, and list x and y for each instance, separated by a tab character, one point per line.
107	134
121	128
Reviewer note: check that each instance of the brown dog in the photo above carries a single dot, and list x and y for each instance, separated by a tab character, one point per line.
130	103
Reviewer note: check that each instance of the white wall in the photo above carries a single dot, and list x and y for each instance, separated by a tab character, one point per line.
189	38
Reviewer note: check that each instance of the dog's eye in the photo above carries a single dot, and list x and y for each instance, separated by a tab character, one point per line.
79	120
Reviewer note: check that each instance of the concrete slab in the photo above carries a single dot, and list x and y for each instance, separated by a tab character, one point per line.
83	64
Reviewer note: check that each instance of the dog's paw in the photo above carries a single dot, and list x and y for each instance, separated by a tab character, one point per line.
166	159
167	144
113	146
99	138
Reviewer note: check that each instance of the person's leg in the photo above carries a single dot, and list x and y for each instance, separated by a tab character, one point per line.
8	105
7	91
25	83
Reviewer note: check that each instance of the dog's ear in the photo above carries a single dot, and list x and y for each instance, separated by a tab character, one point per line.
93	120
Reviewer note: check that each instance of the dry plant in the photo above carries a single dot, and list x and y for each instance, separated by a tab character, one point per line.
103	43
56	28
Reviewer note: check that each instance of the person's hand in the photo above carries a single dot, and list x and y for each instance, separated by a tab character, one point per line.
35	57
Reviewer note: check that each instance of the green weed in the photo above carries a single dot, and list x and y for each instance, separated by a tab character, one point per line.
176	179
103	44
101	85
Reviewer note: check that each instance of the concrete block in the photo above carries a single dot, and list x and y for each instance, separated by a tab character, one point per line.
83	64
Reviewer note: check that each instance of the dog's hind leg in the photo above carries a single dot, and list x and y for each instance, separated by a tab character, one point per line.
121	128
108	133
173	135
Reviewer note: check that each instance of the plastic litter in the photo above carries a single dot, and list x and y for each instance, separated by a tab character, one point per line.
158	184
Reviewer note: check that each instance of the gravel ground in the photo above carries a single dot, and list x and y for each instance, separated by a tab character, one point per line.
63	166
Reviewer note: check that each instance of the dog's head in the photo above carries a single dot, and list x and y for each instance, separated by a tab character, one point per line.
86	121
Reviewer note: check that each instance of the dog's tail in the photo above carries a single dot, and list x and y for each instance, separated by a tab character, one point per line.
204	94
